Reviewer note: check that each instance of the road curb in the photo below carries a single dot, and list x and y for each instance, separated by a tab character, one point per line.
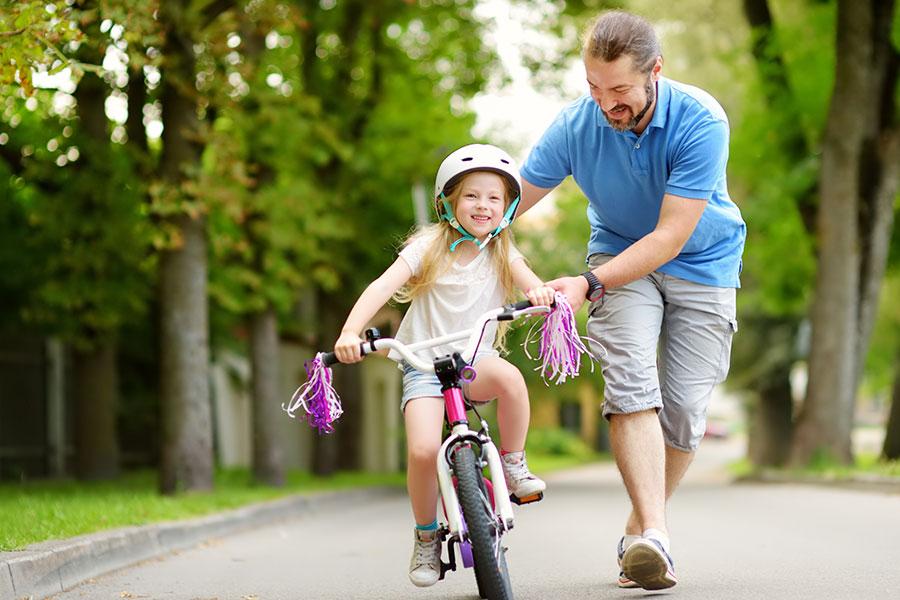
49	568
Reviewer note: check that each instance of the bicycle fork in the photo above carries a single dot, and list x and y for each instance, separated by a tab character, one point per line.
503	507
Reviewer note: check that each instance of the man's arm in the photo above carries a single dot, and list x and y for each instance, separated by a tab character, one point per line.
531	195
678	217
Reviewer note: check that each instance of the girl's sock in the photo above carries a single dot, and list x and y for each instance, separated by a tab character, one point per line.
429	527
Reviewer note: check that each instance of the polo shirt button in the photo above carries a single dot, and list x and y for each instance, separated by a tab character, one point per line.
636	146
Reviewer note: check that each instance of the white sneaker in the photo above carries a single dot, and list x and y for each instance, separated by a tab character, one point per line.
520	481
425	564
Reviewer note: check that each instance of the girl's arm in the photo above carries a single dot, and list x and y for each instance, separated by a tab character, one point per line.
526	280
376	295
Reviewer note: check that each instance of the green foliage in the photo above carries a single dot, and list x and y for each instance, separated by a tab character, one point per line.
34	35
84	256
557	442
881	363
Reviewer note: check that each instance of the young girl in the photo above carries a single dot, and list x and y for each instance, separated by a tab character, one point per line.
450	271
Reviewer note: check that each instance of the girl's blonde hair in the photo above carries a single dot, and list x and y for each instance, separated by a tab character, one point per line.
438	258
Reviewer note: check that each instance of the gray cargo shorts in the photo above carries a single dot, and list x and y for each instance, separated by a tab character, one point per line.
668	343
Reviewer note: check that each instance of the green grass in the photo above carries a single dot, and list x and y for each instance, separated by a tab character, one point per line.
37	511
45	510
865	464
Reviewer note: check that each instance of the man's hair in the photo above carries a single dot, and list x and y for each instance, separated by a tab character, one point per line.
620	33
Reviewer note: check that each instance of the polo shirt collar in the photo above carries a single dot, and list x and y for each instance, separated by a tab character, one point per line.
661	110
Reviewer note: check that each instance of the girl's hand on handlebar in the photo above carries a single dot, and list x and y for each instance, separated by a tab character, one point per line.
541	296
346	348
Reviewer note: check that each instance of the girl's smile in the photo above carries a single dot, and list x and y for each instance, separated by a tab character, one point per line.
481	203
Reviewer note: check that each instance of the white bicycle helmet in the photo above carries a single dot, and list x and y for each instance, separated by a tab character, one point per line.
475	157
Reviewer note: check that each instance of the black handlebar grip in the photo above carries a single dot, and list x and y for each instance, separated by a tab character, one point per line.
521	304
330	359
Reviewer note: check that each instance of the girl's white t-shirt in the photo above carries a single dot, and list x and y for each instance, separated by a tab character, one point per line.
456	300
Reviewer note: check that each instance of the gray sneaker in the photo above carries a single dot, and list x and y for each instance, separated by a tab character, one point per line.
521	482
425	564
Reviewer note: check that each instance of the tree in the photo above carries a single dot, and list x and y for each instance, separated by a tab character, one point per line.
858	184
85	220
767	347
187	453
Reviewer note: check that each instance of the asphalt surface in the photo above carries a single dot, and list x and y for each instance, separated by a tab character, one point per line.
736	541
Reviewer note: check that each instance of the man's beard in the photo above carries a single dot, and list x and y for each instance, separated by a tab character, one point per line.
650	90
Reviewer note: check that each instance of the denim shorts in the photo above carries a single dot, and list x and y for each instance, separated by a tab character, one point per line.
668	344
417	384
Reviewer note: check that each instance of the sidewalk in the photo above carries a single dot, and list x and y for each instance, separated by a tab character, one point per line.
49	568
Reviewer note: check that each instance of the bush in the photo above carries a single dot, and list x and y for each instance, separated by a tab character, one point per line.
557	442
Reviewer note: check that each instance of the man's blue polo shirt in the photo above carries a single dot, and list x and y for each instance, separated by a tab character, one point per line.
683	151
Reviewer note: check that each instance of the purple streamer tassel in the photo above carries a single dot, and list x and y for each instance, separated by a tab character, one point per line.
560	345
316	397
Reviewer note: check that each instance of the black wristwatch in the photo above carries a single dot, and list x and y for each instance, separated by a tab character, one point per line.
595	288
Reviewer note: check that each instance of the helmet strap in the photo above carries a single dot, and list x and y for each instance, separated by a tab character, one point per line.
504	223
466	236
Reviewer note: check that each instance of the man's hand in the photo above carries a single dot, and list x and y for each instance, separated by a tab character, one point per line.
575	289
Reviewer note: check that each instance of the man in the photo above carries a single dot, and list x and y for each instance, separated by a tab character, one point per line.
664	257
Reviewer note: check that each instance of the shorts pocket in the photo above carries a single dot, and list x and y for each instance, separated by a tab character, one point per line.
725	358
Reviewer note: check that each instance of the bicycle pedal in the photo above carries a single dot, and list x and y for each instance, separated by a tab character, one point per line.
527	499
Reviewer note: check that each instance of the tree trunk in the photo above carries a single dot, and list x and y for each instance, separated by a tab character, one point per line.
341	448
825	422
187	451
771	425
268	459
95	378
880	178
891	450
95	397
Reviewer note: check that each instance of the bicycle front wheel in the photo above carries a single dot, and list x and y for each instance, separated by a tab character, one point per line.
490	564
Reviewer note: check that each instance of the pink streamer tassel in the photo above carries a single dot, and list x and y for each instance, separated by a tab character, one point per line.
316	397
560	347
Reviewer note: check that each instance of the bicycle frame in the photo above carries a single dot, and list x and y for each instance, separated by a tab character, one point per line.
461	433
451	370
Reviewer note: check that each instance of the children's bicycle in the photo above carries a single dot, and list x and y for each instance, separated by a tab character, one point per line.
477	509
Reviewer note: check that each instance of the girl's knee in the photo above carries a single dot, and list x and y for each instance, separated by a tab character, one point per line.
512	386
422	453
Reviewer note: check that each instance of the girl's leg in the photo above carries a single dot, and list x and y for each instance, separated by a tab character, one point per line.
499	379
424	421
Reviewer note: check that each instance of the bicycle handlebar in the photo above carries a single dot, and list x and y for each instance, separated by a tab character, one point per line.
508	312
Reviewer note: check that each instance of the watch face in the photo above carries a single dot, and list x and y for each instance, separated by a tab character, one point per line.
595	288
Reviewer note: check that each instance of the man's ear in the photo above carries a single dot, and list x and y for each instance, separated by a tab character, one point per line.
657	68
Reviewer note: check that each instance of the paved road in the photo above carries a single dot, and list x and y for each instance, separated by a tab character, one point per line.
729	541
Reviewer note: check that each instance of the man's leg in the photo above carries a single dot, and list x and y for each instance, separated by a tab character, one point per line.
627	322
695	342
677	463
637	441
637	444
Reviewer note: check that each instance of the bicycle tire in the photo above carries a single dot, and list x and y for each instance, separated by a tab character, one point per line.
490	572
504	571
